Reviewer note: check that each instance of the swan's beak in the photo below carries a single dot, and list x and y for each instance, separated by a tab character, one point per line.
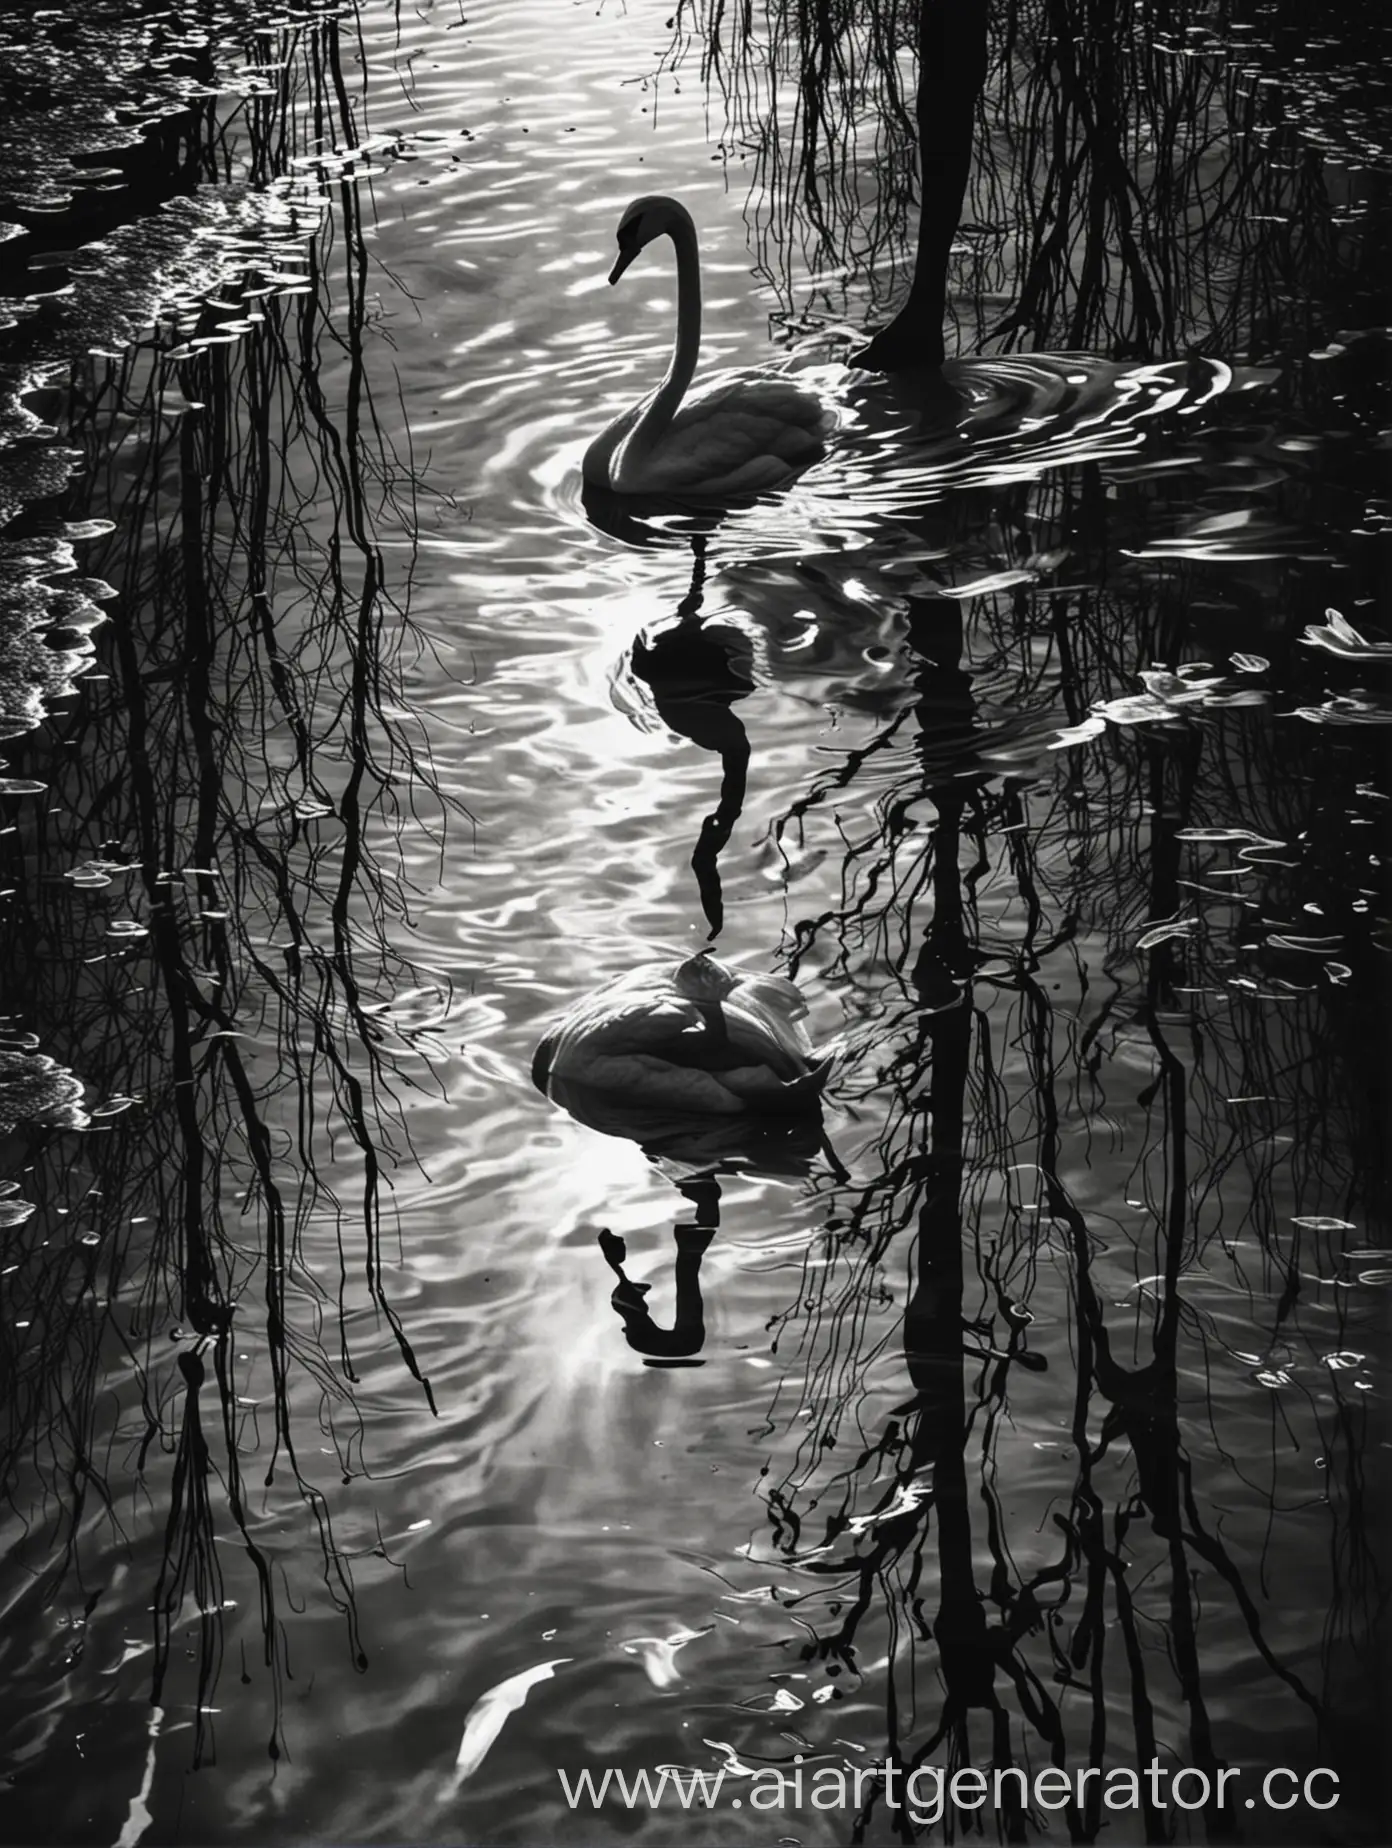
625	258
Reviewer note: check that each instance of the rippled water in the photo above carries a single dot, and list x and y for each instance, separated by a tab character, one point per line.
1040	733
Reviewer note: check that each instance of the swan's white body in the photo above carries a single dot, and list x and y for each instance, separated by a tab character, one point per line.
739	433
690	1037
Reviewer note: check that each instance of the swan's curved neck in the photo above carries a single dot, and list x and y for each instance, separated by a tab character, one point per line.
662	406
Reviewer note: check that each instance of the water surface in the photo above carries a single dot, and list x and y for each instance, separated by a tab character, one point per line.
1036	1422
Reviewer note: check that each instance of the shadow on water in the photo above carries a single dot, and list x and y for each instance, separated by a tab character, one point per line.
245	812
696	673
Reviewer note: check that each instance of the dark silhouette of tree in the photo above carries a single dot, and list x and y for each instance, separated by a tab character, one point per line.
1141	180
951	71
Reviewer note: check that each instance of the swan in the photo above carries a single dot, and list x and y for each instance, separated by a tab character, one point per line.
691	1038
739	433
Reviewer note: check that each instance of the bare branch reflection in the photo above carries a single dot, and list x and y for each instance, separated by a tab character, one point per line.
1142	184
249	812
1032	964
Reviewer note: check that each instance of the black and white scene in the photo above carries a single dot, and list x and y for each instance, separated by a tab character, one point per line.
695	951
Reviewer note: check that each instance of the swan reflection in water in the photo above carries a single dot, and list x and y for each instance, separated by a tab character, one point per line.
711	1072
692	671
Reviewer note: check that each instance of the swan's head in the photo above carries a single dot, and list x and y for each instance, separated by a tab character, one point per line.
647	218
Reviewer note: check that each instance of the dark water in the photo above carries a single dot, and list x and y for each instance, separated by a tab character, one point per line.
1037	1418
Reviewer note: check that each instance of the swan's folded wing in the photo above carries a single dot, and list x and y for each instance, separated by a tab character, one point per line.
609	1023
745	433
639	1037
759	1090
641	1077
707	1048
774	993
769	394
687	1141
769	1035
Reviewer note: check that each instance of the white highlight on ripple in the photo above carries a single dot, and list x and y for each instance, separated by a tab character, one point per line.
488	1714
138	1818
